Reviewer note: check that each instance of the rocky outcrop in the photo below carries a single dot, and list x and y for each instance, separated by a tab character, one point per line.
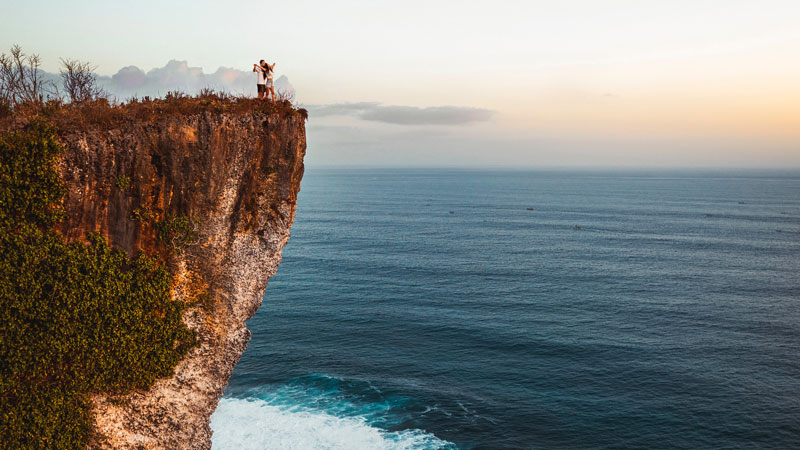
234	177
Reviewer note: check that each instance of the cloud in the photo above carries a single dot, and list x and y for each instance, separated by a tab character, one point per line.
132	81
404	115
341	109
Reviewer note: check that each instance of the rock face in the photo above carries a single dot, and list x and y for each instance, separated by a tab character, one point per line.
237	177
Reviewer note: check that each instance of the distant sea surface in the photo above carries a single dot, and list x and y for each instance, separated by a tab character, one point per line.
453	309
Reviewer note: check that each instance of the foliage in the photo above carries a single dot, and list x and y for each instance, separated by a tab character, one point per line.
30	188
75	319
143	214
176	231
123	182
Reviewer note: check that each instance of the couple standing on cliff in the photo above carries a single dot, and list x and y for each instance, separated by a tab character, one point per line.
264	85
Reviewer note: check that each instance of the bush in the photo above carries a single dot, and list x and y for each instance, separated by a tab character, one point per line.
75	319
21	80
176	231
80	81
123	182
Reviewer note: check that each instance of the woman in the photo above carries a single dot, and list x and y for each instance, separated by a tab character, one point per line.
270	88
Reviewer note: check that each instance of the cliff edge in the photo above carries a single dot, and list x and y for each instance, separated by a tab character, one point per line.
214	193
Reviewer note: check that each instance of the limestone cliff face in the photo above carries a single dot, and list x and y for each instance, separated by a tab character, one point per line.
237	176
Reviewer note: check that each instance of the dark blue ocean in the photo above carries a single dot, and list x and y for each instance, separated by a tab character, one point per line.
454	309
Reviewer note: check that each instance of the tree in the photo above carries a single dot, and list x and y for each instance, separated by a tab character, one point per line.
80	81
21	80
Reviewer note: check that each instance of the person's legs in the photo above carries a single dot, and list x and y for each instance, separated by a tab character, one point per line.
262	91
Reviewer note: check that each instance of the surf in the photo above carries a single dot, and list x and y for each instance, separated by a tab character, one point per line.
314	413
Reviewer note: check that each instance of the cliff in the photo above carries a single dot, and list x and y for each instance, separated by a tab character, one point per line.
213	193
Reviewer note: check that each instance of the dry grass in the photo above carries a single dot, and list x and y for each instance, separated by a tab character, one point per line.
103	114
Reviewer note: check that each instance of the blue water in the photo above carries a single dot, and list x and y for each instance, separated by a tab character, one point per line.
422	309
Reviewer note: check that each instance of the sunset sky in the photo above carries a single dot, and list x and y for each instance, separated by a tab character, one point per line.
463	83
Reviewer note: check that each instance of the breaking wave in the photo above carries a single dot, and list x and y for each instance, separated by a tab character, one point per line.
315	412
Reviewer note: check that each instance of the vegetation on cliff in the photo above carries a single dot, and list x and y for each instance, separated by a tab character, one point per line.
26	92
75	318
102	113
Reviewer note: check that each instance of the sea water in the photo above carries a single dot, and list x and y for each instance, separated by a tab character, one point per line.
444	309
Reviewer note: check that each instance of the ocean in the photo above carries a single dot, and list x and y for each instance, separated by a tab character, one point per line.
460	309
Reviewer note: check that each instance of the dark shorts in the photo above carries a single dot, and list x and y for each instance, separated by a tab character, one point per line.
261	88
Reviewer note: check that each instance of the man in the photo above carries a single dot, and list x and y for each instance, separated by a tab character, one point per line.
262	78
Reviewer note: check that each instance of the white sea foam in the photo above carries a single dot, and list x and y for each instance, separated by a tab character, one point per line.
253	423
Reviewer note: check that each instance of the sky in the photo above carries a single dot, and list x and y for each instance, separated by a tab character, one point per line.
585	83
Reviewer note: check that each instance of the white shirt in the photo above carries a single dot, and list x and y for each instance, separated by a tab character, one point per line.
261	78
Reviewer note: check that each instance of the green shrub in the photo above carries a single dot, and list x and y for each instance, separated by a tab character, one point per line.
123	182
30	188
143	214
176	231
75	319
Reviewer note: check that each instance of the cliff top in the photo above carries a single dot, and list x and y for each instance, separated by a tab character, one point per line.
104	114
